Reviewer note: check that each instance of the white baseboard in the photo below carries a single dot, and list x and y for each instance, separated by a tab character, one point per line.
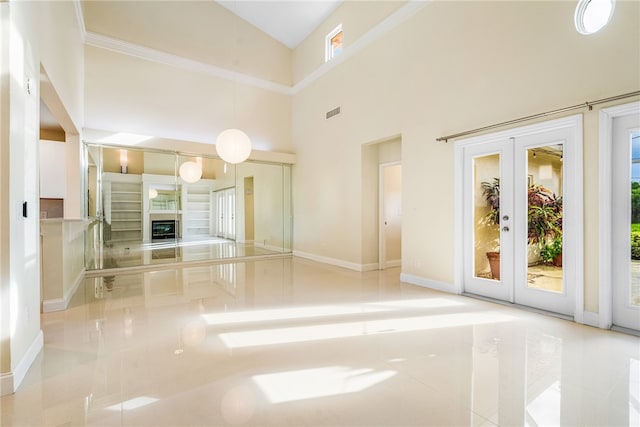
10	382
268	247
394	263
591	319
60	304
334	261
370	267
6	384
427	283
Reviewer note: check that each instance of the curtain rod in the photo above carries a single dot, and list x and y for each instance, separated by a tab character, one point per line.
588	104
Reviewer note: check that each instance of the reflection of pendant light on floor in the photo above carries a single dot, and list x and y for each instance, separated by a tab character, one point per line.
191	171
233	145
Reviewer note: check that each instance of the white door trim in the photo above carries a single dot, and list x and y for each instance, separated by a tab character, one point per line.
575	123
382	252
605	306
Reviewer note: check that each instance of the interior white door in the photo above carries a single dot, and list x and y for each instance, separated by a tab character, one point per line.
390	253
230	226
225	201
520	200
220	213
625	219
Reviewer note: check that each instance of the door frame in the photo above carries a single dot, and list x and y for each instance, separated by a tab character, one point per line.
605	294
574	123
382	252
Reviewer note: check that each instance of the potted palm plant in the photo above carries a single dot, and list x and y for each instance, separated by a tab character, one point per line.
544	222
491	193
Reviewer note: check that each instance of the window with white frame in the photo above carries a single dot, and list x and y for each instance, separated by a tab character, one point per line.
333	43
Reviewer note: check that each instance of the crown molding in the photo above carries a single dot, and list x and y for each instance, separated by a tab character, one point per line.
131	49
146	53
80	18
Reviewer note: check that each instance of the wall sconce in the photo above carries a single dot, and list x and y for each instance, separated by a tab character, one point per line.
124	161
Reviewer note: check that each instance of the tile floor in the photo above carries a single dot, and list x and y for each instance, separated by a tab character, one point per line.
296	343
132	254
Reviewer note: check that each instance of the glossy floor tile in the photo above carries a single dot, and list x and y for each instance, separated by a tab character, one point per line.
289	342
132	254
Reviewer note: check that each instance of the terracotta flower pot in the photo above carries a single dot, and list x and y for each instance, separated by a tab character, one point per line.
557	261
494	264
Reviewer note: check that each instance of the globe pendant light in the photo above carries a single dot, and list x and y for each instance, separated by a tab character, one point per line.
233	146
191	172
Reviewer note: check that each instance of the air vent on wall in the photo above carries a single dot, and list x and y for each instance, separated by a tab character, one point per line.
333	112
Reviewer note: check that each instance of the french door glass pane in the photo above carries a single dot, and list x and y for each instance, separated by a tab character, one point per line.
486	203
634	294
544	214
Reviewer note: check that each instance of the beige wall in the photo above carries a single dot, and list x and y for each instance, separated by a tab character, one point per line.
453	66
356	17
201	30
128	94
5	223
61	56
21	286
35	36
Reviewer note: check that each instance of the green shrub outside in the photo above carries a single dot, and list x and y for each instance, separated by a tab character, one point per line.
635	245
635	203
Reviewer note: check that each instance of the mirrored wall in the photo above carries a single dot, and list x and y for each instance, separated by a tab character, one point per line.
160	207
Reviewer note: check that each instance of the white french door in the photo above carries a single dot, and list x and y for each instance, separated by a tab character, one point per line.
225	201
521	212
625	224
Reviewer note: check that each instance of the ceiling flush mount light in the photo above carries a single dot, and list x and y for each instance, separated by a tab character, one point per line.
233	146
592	15
191	171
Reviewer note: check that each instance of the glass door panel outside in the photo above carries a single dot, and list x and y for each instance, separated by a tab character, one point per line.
486	229
626	222
544	218
633	293
486	211
547	174
529	172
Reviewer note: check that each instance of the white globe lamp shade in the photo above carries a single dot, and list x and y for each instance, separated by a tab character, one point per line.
233	146
190	172
153	193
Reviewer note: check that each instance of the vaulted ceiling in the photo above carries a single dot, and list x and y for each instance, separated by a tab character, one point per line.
289	22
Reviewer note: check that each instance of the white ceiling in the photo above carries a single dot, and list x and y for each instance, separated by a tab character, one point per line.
289	22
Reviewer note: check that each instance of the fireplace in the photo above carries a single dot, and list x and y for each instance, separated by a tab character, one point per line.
164	229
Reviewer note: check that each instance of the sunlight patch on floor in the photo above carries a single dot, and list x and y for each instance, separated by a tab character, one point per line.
323	311
131	404
298	334
318	382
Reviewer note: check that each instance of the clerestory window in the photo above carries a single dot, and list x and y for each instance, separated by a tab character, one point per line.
333	43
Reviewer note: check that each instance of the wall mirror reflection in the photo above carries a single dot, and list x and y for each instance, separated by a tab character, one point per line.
159	207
